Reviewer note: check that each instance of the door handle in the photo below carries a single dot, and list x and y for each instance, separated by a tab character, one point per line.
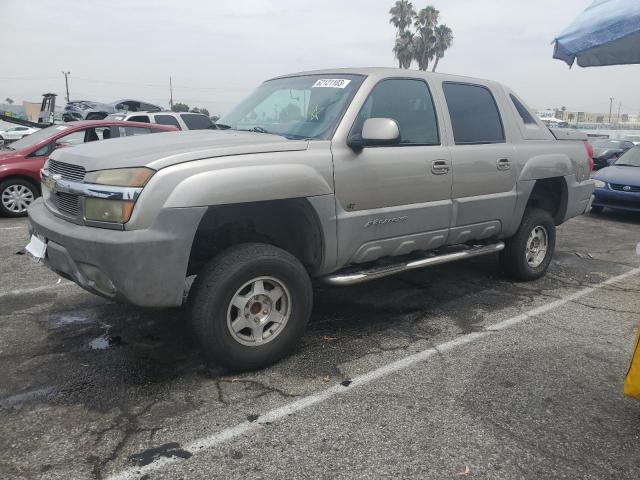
503	164
439	167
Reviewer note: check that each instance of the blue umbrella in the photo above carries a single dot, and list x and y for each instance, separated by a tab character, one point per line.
606	33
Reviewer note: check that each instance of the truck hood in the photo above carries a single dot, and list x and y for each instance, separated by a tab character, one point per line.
159	150
619	174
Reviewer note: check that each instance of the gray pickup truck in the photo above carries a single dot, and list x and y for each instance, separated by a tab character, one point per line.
342	176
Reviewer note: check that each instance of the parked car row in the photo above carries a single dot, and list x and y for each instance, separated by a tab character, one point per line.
21	161
618	185
89	110
182	120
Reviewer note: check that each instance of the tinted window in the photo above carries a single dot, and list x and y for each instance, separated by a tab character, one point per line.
167	120
139	118
409	103
522	111
474	114
196	121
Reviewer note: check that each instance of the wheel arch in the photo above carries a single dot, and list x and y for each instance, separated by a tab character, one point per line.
290	224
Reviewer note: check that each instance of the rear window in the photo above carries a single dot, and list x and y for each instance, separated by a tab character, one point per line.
131	131
526	117
474	114
196	121
167	120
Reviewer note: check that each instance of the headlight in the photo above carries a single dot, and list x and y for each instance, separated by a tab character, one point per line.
120	177
102	210
600	184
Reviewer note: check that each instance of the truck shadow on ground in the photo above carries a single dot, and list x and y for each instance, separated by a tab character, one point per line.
103	354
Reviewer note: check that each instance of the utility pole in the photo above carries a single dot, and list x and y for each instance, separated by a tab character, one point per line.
610	107
171	93
66	82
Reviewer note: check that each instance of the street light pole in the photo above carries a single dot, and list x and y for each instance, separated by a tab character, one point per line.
610	107
619	109
66	82
171	93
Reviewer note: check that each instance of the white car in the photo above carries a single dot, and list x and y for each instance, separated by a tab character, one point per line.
181	120
16	133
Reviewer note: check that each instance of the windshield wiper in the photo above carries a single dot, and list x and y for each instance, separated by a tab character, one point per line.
624	165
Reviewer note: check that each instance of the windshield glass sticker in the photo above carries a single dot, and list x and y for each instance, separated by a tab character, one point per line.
331	83
62	127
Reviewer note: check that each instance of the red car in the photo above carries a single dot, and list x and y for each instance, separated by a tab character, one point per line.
21	161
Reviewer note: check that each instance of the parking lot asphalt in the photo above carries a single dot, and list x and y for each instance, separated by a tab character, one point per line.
449	372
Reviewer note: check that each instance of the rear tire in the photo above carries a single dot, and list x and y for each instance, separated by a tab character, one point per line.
528	253
16	194
250	305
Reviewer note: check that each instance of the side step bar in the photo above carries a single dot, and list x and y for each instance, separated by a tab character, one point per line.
354	276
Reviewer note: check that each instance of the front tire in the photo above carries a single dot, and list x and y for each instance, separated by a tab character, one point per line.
16	195
250	305
528	253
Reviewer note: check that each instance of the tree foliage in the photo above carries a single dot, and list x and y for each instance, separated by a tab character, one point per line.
9	100
180	107
427	42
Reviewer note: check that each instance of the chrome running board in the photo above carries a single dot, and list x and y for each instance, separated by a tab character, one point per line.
352	276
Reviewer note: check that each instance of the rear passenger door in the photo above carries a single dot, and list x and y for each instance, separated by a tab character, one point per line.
484	175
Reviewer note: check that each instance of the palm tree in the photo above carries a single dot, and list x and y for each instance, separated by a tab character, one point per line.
443	40
424	40
403	49
402	14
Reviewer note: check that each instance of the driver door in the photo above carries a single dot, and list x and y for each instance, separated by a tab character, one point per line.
394	199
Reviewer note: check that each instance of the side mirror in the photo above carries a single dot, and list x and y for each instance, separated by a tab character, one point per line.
376	132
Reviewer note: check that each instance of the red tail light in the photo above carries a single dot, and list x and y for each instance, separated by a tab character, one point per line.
589	148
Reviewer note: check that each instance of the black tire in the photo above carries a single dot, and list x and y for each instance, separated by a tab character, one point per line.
596	209
513	258
5	211
217	284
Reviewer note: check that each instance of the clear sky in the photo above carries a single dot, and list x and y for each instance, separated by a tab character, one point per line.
217	51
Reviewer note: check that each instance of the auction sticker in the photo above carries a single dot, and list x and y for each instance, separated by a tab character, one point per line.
331	83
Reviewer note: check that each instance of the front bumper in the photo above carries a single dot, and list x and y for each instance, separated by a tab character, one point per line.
144	267
604	197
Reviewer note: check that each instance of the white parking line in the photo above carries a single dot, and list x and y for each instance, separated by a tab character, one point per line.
24	291
243	428
13	228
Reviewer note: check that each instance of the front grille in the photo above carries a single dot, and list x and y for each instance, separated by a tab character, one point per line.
67	203
74	173
621	188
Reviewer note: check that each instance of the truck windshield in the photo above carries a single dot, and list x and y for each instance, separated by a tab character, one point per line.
307	106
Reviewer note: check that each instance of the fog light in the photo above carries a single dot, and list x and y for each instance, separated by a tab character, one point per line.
101	210
98	279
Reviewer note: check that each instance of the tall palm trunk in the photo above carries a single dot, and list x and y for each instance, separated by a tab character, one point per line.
435	64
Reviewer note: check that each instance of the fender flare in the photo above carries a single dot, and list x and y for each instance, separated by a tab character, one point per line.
548	165
245	184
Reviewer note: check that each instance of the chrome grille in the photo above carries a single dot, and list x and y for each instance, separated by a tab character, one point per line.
74	173
621	187
67	203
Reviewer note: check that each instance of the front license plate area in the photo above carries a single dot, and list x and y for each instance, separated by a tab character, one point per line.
37	247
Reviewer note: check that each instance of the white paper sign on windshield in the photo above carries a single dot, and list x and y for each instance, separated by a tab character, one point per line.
331	83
